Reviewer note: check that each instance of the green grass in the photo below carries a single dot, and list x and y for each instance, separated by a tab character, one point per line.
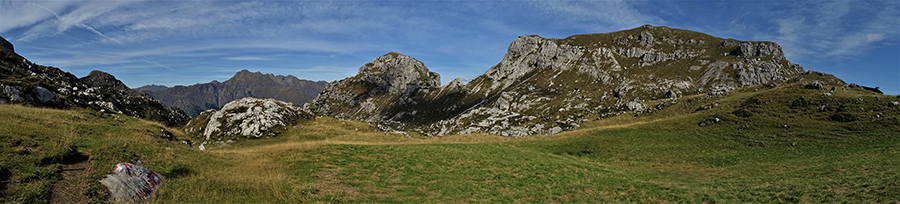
769	146
36	143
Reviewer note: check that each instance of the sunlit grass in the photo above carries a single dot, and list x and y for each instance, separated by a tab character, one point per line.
785	150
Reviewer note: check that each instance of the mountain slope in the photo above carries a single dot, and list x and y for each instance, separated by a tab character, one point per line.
197	98
24	82
758	144
544	86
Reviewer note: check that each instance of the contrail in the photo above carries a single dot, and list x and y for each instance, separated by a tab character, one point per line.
82	25
95	31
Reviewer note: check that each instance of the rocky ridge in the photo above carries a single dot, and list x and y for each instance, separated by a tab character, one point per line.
245	118
24	82
197	98
544	86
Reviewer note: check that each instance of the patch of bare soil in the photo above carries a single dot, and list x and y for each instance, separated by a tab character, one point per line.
71	189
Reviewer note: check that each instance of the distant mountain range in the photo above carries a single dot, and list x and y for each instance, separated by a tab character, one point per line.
197	98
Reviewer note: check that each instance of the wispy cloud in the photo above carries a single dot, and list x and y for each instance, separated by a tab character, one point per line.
609	15
331	39
246	58
837	30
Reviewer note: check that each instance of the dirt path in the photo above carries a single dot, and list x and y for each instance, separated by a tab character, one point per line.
71	189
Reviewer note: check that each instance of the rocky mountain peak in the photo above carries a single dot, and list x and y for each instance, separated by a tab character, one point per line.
380	90
248	77
399	74
99	78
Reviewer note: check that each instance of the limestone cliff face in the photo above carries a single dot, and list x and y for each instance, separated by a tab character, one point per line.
544	86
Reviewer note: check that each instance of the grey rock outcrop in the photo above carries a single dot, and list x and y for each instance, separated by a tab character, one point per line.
635	106
10	93
246	118
759	49
130	183
815	84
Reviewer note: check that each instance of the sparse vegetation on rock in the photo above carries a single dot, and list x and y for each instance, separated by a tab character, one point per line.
545	86
245	118
24	82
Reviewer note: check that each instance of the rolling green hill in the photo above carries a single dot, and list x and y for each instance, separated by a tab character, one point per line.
783	141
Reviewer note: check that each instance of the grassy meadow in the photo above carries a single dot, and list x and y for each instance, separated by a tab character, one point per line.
756	145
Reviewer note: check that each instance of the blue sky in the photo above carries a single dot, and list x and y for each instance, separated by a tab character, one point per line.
188	42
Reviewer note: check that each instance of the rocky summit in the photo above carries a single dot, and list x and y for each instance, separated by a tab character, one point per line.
245	118
382	90
214	95
24	82
548	85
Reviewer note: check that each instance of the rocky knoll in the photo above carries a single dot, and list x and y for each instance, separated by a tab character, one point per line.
24	82
383	86
245	118
214	95
544	86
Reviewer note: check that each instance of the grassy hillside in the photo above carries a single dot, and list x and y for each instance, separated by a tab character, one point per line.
770	143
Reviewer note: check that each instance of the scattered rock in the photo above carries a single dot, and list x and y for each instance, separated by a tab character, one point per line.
671	94
635	106
815	84
702	124
894	103
130	183
793	144
164	134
